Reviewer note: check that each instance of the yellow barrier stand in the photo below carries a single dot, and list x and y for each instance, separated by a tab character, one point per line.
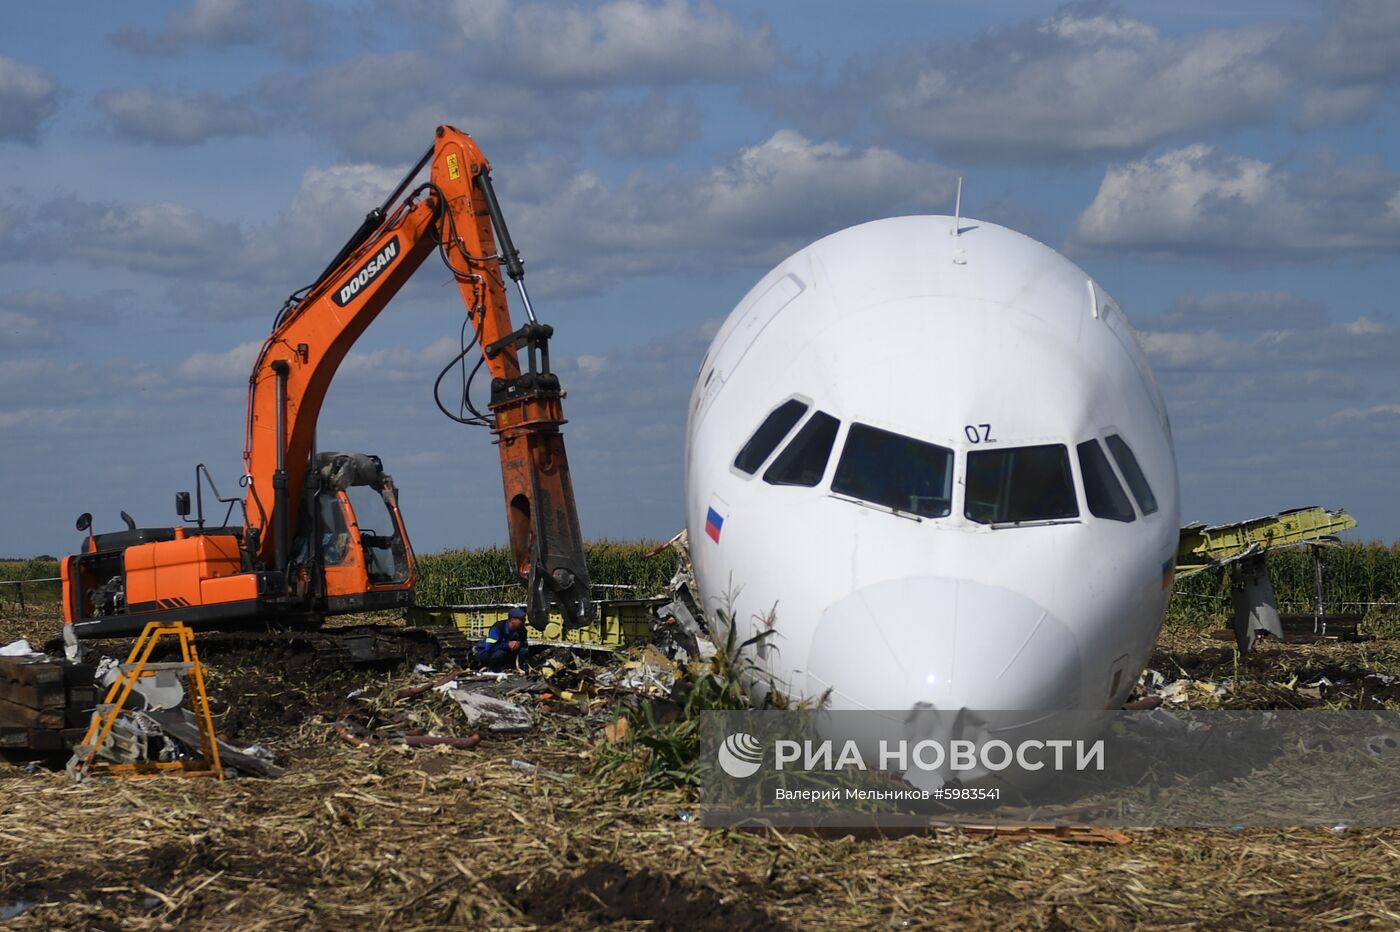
138	664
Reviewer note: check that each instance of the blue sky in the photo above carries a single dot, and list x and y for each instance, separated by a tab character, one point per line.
170	171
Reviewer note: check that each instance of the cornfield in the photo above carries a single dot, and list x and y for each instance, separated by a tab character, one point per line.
619	569
38	568
1357	578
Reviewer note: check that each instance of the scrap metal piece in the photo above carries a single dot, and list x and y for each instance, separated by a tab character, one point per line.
495	715
72	647
161	689
182	726
1201	547
1252	598
651	674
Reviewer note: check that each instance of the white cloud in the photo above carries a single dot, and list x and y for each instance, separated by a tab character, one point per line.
1186	350
147	115
1092	26
292	27
1361	41
401	364
332	202
64	307
46	418
1080	84
1325	106
617	42
1204	203
225	368
1353	346
410	98
21	331
28	97
423	458
160	238
653	126
211	268
1234	311
27	370
1365	326
752	210
1374	412
527	75
591	365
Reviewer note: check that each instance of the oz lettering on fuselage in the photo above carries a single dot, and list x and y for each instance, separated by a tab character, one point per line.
979	433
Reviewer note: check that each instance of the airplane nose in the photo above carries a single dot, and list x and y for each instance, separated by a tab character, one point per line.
943	643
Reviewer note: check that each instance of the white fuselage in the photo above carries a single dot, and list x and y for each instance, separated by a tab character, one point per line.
936	562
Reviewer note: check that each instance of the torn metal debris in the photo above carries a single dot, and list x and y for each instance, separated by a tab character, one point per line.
650	674
493	714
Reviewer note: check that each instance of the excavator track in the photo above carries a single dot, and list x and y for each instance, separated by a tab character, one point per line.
326	649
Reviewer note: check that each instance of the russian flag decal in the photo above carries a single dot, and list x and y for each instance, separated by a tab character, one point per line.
714	523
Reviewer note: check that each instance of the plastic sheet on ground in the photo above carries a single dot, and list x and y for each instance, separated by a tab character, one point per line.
19	648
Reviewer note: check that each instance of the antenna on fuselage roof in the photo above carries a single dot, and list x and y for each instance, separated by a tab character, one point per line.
957	211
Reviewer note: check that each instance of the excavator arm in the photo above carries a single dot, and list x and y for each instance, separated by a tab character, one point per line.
455	212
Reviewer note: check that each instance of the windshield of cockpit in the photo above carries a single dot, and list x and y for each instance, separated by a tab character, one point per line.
1020	485
895	471
1003	486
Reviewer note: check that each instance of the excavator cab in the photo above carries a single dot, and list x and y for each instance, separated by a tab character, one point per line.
351	552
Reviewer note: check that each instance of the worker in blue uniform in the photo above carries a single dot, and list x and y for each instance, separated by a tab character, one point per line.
505	642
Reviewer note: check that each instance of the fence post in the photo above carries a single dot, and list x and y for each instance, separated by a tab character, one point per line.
20	587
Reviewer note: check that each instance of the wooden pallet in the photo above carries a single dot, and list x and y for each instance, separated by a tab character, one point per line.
1300	629
44	703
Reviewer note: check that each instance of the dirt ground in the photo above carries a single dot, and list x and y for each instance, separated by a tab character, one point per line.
385	837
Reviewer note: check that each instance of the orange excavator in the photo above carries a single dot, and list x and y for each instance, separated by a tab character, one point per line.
322	533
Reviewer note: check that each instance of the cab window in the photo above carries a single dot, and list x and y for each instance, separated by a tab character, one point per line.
895	471
386	560
1132	473
803	461
335	538
1102	491
1019	485
769	434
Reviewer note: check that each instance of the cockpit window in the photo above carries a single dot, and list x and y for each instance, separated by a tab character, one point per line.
1132	473
1020	484
769	434
803	461
1102	491
895	471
